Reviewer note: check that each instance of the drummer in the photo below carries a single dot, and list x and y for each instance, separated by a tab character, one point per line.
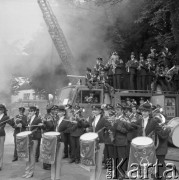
3	118
49	124
97	123
19	125
34	124
162	131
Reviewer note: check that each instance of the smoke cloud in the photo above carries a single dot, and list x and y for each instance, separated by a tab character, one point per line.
27	49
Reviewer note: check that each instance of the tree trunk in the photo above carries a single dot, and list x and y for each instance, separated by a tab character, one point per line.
174	10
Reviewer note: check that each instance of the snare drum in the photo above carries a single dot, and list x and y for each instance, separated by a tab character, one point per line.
49	147
173	137
142	154
23	141
88	148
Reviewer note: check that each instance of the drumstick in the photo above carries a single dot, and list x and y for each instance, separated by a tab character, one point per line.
6	121
100	129
33	126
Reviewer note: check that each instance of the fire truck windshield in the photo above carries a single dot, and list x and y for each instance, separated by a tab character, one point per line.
66	95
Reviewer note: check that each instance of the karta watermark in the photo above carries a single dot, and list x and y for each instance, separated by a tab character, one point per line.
138	171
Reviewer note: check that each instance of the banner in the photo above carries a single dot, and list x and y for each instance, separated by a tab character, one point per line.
22	146
87	150
48	150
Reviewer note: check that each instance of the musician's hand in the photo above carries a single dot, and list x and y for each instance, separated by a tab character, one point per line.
19	125
40	124
87	129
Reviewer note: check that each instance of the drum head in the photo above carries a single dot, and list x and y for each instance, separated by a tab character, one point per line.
89	136
142	141
175	136
52	133
25	133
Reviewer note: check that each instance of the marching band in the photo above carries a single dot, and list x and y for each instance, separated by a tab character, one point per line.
116	128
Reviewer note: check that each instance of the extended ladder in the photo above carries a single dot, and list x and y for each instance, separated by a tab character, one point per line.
57	36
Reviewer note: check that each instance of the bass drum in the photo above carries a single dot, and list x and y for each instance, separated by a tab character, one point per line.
174	135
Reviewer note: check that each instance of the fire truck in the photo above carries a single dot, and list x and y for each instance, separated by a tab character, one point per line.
78	94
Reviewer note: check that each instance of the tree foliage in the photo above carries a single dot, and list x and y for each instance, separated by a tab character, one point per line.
153	23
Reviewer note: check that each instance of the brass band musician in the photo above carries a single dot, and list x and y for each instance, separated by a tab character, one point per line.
19	125
131	66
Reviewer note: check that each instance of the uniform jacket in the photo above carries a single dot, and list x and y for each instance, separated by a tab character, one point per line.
79	128
143	68
119	67
98	67
36	131
120	128
23	121
2	126
100	127
64	128
136	129
133	66
108	134
49	123
161	132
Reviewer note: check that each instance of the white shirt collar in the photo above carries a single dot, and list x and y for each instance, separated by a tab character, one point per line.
146	121
96	119
31	120
59	122
1	115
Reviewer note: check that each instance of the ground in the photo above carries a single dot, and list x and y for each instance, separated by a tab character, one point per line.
14	170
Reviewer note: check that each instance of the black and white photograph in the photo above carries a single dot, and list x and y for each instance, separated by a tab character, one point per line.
89	89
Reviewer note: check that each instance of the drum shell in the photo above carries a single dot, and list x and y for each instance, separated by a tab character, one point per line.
49	146
174	125
23	143
88	155
141	155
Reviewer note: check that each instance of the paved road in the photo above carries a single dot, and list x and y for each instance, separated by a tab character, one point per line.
14	171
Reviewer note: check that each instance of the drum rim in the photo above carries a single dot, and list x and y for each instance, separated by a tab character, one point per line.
172	135
58	133
143	145
30	132
89	139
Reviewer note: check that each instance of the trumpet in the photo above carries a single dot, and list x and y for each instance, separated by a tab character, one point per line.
18	119
128	65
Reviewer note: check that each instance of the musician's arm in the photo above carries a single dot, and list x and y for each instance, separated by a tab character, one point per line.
70	127
12	123
162	131
24	121
137	124
119	126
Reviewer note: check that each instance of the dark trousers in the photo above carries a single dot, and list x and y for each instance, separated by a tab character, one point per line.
109	151
161	160
120	156
67	145
15	147
75	148
142	82
37	155
110	79
118	81
132	81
